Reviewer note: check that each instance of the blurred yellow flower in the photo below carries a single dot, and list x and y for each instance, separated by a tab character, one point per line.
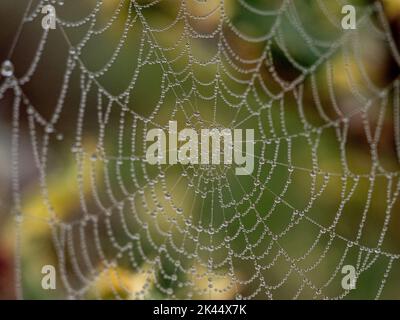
120	281
223	288
392	8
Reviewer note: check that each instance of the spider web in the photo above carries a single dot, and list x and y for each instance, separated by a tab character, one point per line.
312	204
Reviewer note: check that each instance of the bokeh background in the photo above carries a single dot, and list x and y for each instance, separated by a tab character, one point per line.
69	167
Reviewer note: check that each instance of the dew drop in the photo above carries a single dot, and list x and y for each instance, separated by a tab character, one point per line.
49	129
30	110
7	69
74	149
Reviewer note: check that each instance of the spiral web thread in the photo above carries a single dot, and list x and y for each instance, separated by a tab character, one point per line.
197	231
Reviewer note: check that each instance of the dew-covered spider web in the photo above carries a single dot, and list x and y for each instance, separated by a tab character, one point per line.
323	102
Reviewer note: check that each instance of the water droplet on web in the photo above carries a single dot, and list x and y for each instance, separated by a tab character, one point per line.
49	129
74	149
19	217
7	69
30	110
73	52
